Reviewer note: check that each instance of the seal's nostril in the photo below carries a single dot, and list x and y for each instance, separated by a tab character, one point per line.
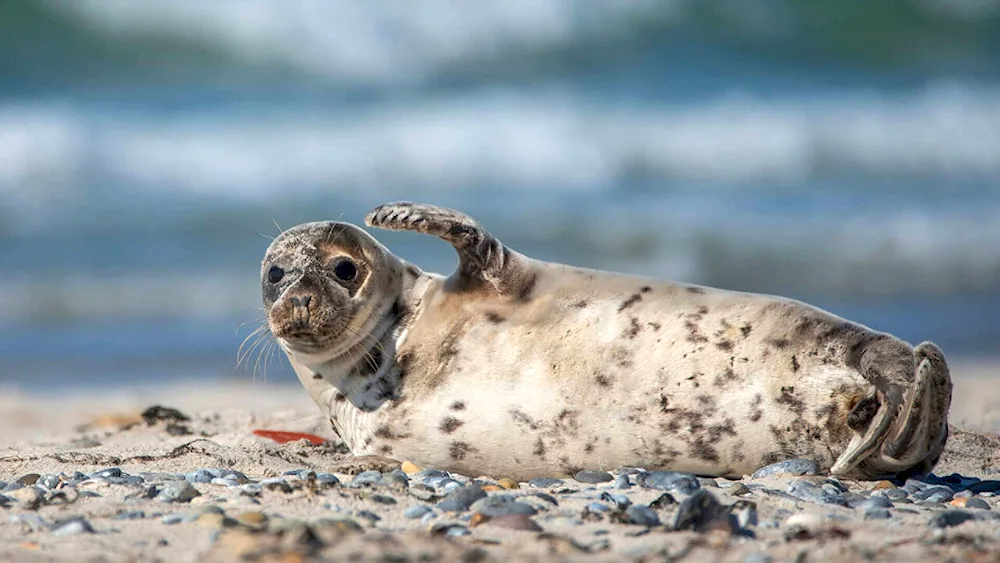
306	300
301	301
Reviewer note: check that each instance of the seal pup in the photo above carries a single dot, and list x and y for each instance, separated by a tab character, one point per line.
516	367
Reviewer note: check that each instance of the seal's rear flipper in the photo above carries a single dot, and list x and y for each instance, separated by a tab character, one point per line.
864	445
483	260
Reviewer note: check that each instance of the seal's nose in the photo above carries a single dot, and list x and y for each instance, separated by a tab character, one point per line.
300	310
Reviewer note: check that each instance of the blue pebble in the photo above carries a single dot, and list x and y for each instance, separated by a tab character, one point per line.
171	519
544	482
675	481
328	479
642	515
129	515
226	482
417	511
619	500
199	476
622	482
789	467
977	503
370	477
451	485
598	507
874	502
134	480
877	514
109	472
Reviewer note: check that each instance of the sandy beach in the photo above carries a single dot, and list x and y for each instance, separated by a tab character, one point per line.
191	482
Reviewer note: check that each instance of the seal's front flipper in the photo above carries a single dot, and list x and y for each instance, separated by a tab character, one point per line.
483	260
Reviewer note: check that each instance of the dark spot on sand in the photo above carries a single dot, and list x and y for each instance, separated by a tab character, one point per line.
745	330
459	450
795	364
724	345
581	304
450	424
696	290
645	289
494	318
602	380
635	298
458	406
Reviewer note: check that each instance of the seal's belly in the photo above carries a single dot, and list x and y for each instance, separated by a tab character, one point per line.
711	384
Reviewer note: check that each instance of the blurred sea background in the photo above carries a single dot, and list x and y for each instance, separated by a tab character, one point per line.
845	153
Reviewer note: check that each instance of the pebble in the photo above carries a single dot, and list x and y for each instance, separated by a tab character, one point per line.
812	493
395	478
422	492
450	529
977	503
642	516
598	508
461	499
366	478
417	511
327	479
129	515
684	483
622	482
702	512
410	468
275	484
515	522
508	483
28	497
200	476
225	482
593	477
369	515
106	473
877	514
949	518
620	501
383	499
788	467
758	558
50	481
545	482
254	519
739	489
177	491
27	479
251	489
72	526
873	502
502	505
171	519
933	493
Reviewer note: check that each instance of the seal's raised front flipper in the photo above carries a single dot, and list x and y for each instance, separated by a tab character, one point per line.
483	260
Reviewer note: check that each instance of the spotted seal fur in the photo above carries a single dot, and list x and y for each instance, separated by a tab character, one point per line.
515	367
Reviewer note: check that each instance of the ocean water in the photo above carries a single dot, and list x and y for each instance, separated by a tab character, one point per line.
848	156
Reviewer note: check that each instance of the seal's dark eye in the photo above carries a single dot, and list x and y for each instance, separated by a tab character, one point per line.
345	270
275	274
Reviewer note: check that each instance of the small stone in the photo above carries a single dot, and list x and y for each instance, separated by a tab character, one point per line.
508	483
422	492
327	479
810	492
598	508
684	483
254	520
702	512
224	482
884	485
593	477
449	529
368	478
977	503
493	488
177	491
642	516
664	500
49	481
251	489
461	499
72	526
877	514
788	467
111	472
199	476
933	493
275	484
395	478
171	519
708	482
211	520
515	522
129	515
369	515
949	518
544	482
739	489
620	501
758	558
873	502
501	505
416	511
331	530
410	468
29	498
745	512
383	499
28	479
622	482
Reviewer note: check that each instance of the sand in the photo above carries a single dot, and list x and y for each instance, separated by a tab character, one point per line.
87	432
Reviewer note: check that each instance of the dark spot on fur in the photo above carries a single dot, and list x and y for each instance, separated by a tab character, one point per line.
696	290
664	402
317	376
795	364
633	330
745	330
622	357
589	448
527	288
693	334
702	449
602	380
539	450
339	397
521	418
413	271
580	304
780	343
724	345
494	318
568	421
450	424
458	406
755	412
707	402
645	289
655	325
384	432
725	377
459	450
635	298
794	403
385	449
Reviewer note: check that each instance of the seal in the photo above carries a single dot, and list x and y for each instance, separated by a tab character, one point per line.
512	366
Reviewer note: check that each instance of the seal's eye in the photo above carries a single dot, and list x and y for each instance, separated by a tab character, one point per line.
345	270
275	274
